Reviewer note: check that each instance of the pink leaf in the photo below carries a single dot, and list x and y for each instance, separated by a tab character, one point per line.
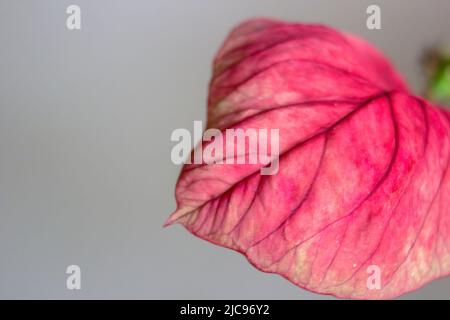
363	172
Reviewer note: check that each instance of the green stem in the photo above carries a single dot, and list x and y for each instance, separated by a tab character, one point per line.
438	88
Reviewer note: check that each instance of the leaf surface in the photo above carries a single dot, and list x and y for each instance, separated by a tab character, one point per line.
363	172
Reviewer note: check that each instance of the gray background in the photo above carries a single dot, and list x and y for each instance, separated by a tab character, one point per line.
85	124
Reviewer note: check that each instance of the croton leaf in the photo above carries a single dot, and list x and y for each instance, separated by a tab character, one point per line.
363	176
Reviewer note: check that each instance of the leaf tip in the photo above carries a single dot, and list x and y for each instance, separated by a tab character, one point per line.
177	215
